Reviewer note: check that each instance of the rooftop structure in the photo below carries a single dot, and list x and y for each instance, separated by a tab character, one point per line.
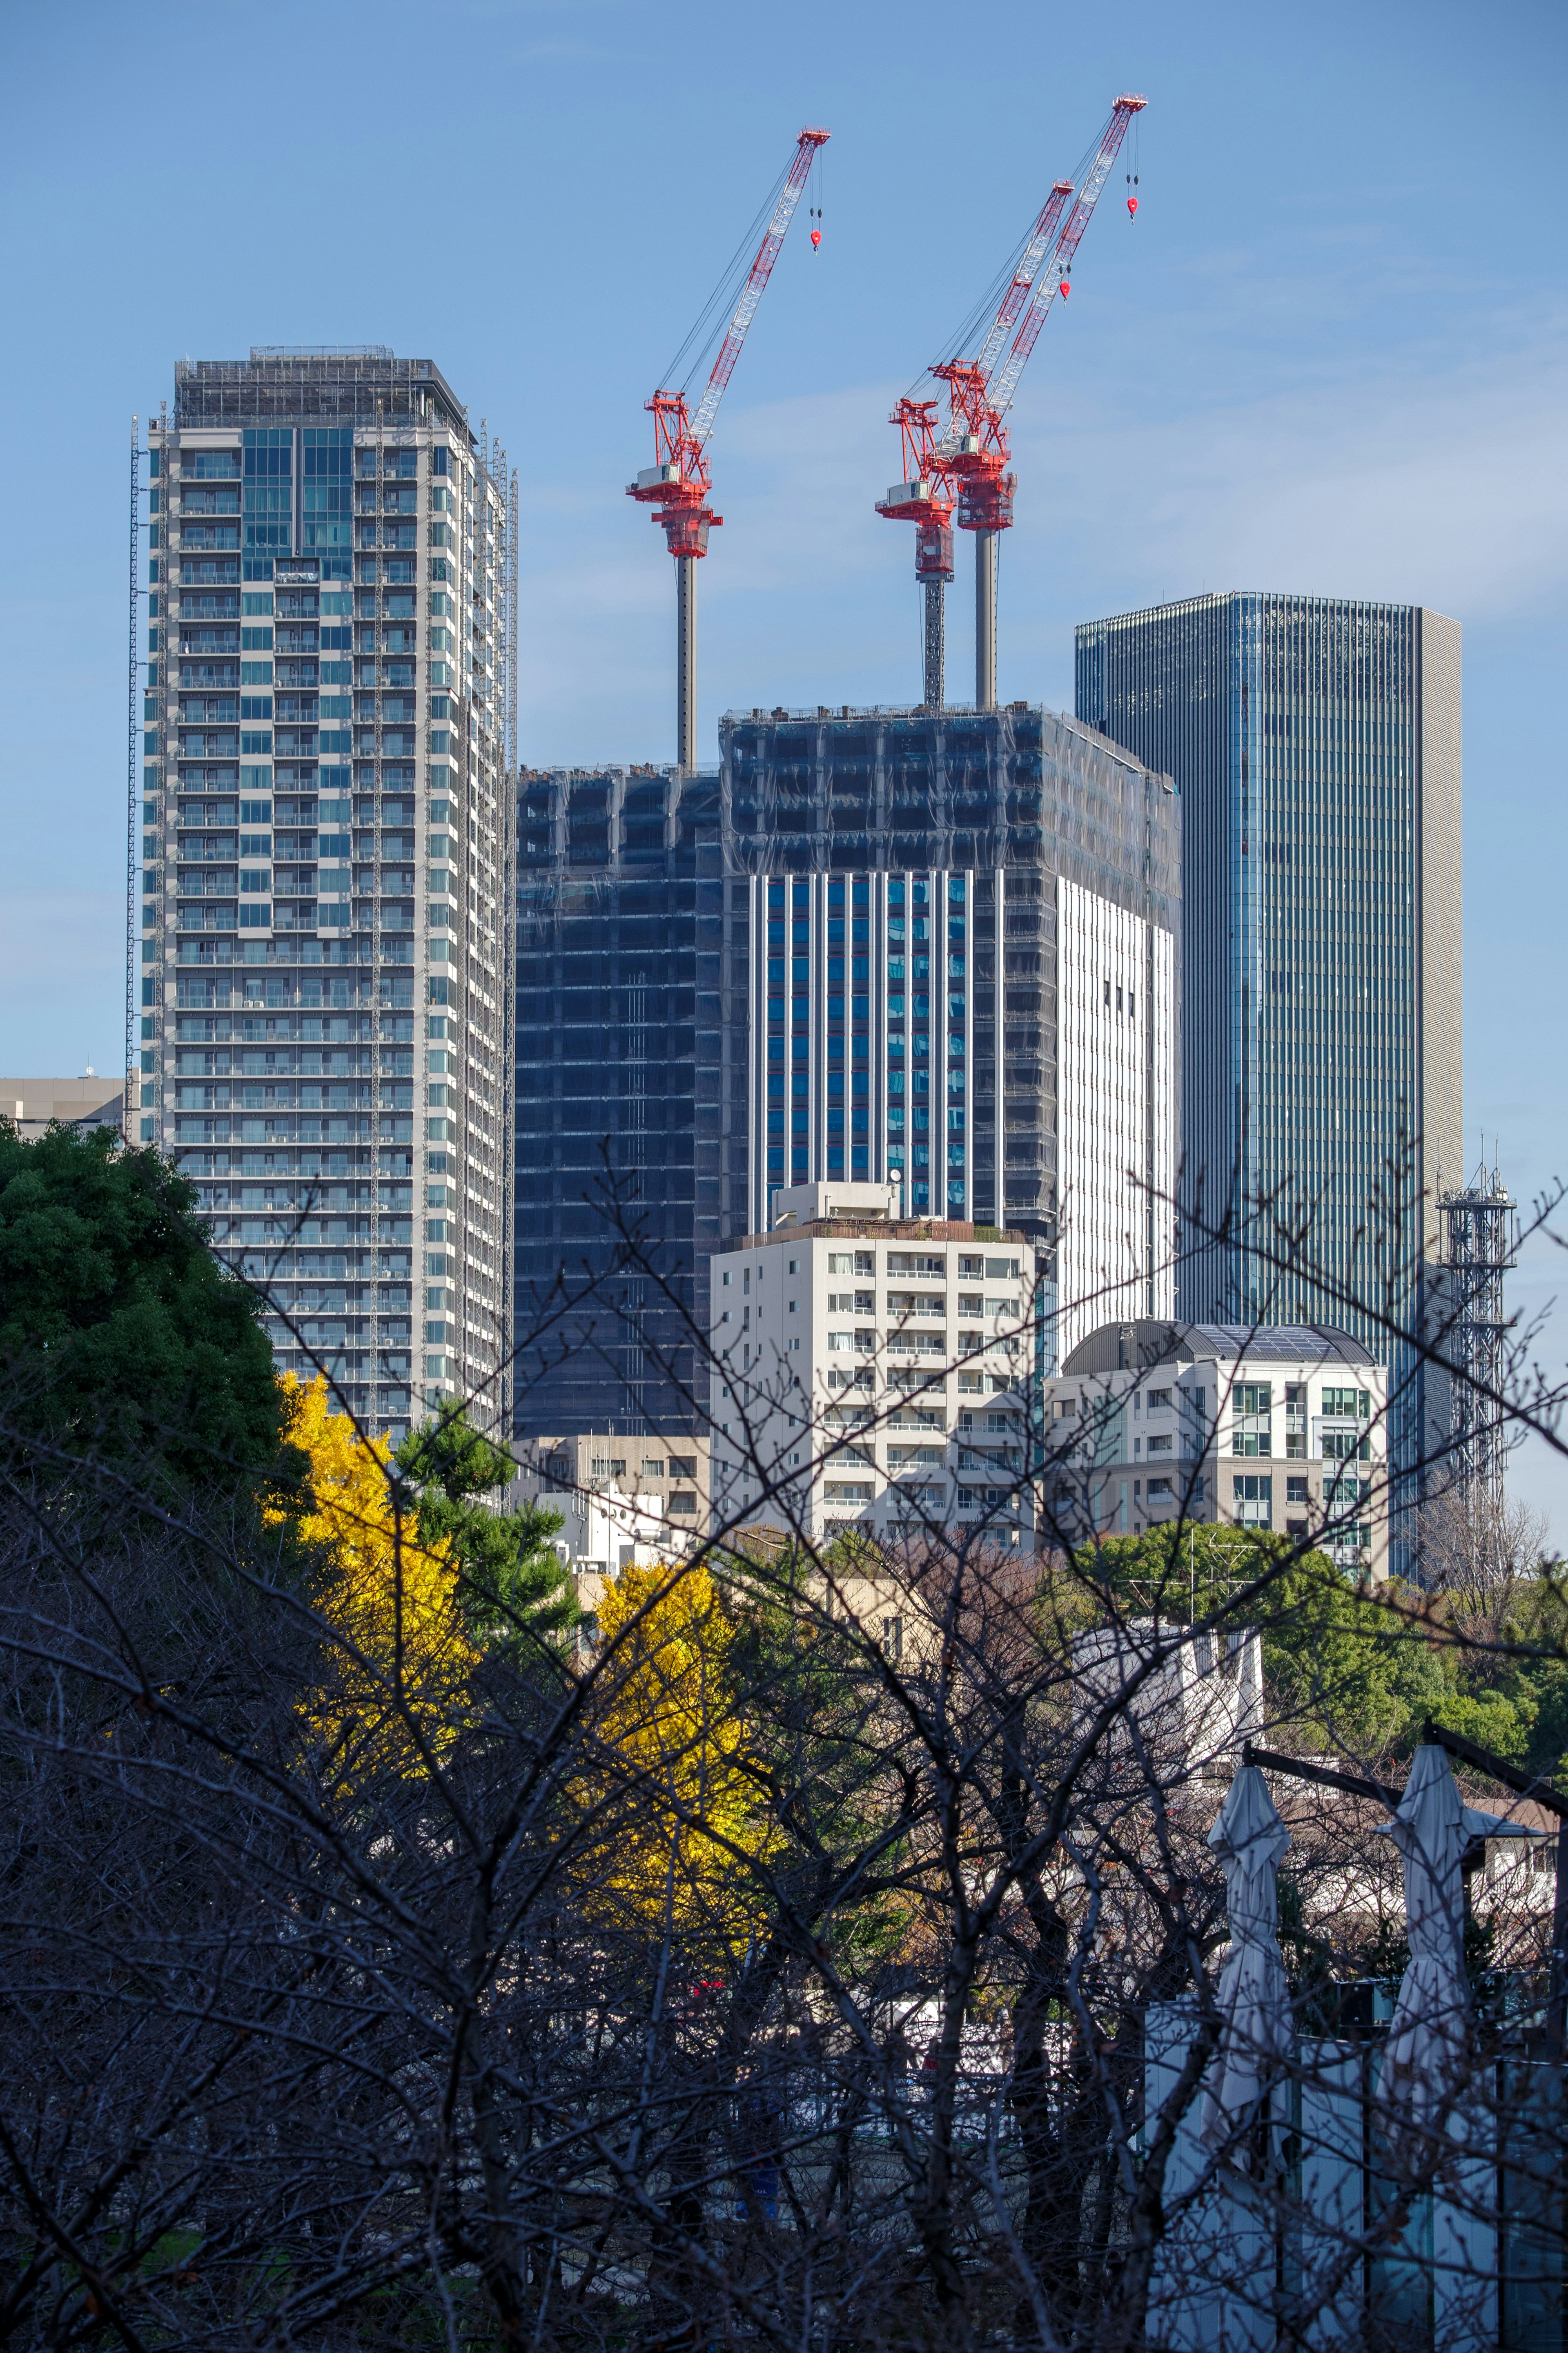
89	1101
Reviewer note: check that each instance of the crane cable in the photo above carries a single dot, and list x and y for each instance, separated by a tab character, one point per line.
717	312
979	318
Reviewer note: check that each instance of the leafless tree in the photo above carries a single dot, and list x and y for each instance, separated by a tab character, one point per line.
745	1977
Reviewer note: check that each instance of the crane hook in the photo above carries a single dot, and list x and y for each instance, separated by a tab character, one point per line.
1132	201
815	239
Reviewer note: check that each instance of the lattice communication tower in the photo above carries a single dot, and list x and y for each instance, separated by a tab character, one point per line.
1481	1244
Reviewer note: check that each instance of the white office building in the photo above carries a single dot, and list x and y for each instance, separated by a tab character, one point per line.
1283	1426
872	1372
957	937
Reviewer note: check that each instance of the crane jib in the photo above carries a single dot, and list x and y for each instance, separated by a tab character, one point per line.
756	280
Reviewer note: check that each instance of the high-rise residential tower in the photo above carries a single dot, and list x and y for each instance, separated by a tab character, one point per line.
323	979
1315	744
878	946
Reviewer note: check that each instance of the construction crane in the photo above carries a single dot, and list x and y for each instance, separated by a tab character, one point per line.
965	465
677	482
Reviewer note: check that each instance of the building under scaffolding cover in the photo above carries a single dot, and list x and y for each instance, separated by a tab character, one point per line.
962	978
619	939
880	945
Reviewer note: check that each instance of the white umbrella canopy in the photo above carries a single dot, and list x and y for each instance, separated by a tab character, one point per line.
1254	1999
1427	2056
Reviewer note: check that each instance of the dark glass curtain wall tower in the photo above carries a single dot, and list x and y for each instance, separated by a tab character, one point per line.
1315	744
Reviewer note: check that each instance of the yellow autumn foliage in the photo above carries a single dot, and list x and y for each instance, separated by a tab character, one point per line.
672	1735
391	1688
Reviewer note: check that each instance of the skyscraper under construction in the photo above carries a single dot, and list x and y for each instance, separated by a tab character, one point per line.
937	950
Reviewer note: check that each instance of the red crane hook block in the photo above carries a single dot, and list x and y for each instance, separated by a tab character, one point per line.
1132	208
815	239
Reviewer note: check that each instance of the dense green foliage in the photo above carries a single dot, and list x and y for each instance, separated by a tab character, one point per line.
1348	1667
515	1589
1359	1668
120	1334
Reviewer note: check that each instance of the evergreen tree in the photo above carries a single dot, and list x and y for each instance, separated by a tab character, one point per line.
516	1591
121	1336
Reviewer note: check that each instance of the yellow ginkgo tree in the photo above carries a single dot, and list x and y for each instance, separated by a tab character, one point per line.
673	1739
392	1684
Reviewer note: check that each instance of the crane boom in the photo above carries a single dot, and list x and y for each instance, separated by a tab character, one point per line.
677	482
751	292
1040	241
964	463
999	393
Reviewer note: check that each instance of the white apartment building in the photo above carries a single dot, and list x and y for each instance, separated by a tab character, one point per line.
873	1372
1276	1426
624	1502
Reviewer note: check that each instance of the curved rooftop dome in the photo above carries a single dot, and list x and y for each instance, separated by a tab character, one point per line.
1139	1346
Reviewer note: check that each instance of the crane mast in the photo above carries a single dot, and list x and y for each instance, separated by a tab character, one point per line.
677	482
965	464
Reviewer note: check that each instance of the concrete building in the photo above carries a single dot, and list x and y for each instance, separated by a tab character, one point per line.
621	1503
1315	744
1280	1425
958	971
325	979
885	1360
87	1103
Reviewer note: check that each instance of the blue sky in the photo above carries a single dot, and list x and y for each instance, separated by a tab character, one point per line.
1331	355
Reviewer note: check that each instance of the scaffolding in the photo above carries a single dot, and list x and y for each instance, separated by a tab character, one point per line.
128	1100
1481	1244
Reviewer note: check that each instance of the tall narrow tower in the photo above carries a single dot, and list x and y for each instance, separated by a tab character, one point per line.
1481	1244
324	986
1315	742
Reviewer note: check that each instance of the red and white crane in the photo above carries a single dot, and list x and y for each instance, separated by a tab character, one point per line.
677	482
965	465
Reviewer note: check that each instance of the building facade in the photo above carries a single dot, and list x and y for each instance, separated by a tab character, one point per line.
954	939
878	947
84	1103
325	977
1315	744
873	1372
1278	1427
619	939
621	1504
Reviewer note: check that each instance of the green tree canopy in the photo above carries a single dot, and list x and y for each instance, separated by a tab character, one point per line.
120	1334
514	1586
1345	1666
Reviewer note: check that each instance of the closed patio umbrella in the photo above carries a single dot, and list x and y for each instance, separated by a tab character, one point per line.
1426	2059
1254	1997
